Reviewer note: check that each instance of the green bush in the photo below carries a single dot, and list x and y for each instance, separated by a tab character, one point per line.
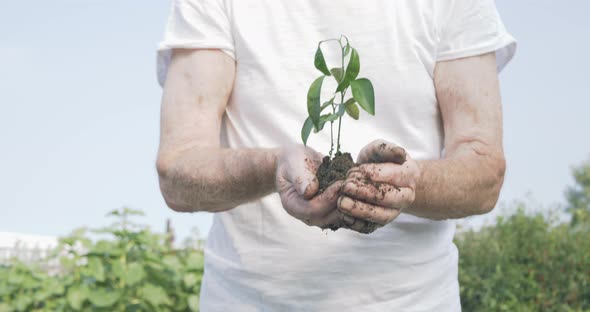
135	271
525	263
522	263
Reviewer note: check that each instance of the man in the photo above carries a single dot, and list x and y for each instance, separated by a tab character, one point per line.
235	76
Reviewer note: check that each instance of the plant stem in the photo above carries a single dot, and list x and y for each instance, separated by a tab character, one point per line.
332	130
339	125
342	94
331	138
341	98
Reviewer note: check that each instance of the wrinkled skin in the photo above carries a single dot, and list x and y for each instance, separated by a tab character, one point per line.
298	187
379	189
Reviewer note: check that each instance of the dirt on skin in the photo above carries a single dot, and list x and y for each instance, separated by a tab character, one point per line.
396	154
332	170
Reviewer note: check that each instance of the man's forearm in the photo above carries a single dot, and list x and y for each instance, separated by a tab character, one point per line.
215	179
457	187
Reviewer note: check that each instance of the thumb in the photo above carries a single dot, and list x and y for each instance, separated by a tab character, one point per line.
380	151
305	182
300	168
309	185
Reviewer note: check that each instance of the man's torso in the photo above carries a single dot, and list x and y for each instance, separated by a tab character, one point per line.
259	257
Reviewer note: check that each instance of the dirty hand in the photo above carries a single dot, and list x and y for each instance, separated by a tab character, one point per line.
376	191
298	186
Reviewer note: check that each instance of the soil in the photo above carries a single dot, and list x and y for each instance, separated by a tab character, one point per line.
332	170
335	169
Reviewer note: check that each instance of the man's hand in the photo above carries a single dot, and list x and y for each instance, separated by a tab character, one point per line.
298	186
377	191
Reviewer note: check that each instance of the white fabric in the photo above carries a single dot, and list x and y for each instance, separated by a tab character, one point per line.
258	258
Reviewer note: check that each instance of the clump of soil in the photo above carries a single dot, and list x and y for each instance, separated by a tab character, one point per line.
335	169
332	170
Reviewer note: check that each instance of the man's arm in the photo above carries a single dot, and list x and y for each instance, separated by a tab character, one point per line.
465	182
196	174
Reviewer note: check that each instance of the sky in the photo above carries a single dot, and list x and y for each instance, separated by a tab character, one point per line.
79	110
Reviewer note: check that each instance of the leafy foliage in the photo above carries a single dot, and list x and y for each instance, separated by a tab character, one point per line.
578	196
346	77
362	91
524	263
135	271
313	101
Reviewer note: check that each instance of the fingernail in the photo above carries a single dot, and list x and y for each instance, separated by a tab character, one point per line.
349	187
303	188
348	219
346	203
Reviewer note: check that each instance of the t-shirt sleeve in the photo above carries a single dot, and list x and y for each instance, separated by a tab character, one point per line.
194	24
473	27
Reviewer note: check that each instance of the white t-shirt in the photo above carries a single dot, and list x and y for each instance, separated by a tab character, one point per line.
259	258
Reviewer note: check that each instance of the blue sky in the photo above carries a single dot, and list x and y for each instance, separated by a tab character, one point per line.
79	109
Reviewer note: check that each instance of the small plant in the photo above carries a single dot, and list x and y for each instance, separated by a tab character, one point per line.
126	268
333	169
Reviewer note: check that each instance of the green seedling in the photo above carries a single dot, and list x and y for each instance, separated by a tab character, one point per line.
363	94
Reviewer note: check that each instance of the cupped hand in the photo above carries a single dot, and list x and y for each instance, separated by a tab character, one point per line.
380	188
298	187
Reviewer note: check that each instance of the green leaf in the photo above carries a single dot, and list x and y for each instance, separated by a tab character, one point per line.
327	104
352	109
306	130
320	61
352	70
22	303
155	295
15	278
29	282
363	93
195	261
133	212
172	262
347	47
108	248
313	101
125	212
42	295
338	73
193	303
324	119
354	65
135	273
332	117
191	280
117	268
161	277
6	308
341	110
321	126
76	297
104	298
96	269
